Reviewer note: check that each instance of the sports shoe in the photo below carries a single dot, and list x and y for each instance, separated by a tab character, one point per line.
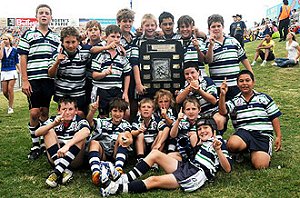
67	176
34	153
52	180
120	170
10	110
113	173
123	179
96	178
274	64
111	189
253	63
263	63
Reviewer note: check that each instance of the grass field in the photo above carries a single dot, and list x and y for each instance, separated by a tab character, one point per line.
22	178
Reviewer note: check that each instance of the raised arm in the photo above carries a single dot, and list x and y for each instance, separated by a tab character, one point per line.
222	99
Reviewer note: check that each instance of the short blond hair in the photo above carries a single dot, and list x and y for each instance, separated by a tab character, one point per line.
148	17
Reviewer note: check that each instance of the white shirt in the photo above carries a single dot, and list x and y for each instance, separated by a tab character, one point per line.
292	50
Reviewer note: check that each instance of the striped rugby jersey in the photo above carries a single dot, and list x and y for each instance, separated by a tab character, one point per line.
39	49
66	133
185	127
208	86
107	133
155	125
226	60
207	159
132	50
71	73
257	114
191	54
120	67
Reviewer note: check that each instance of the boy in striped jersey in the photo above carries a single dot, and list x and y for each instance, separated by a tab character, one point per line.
254	116
125	19
204	89
111	72
223	55
35	48
191	44
65	136
211	154
149	130
111	140
68	67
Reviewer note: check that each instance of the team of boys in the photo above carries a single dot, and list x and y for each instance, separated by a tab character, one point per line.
104	76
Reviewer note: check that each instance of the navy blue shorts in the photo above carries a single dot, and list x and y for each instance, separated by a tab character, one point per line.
256	141
105	96
42	92
189	177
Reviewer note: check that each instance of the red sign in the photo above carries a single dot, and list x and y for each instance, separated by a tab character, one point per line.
26	22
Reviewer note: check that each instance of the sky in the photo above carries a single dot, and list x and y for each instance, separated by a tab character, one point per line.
253	10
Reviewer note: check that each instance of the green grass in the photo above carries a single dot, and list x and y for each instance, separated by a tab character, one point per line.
22	178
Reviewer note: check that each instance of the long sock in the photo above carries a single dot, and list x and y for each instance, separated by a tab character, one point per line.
42	142
121	157
94	161
66	161
34	138
53	153
140	169
136	186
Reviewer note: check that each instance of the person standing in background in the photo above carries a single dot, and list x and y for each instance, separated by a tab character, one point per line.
9	61
284	20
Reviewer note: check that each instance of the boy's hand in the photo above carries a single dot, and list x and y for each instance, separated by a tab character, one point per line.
95	105
195	84
63	151
216	143
180	115
163	112
224	87
108	71
59	119
278	144
142	129
60	57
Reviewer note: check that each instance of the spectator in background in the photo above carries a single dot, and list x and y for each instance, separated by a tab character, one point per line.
232	26
284	20
9	61
293	52
240	29
294	17
265	50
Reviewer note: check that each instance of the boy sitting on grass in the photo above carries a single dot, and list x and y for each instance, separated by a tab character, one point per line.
111	139
65	136
189	176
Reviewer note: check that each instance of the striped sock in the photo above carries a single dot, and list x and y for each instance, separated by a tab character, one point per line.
121	157
52	150
94	161
34	138
66	161
140	169
136	186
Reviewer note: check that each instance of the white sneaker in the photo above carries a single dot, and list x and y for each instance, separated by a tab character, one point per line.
253	63
111	189
274	64
112	171
67	176
10	110
263	63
